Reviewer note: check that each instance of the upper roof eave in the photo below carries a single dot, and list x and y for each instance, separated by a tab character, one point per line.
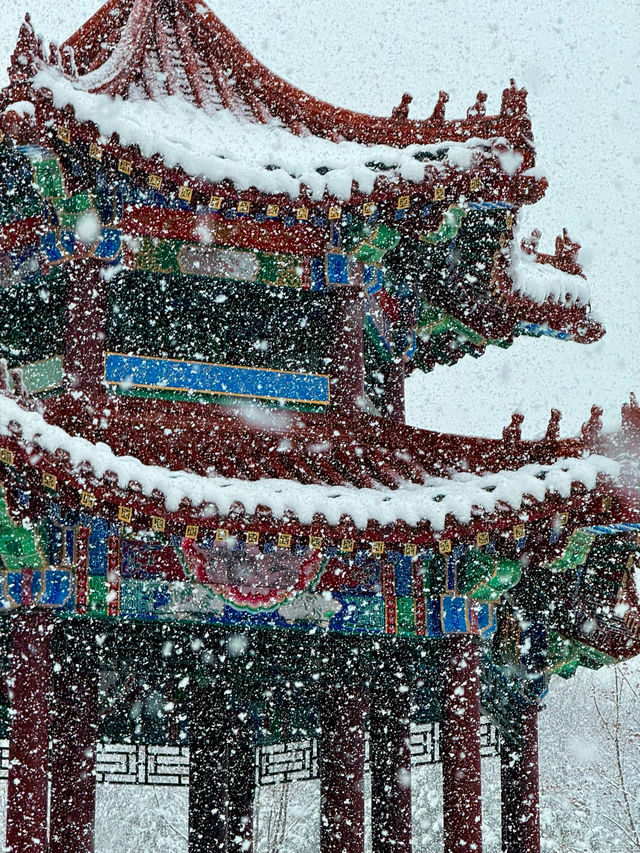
210	41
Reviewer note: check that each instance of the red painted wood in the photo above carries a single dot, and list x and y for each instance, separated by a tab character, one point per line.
390	763
519	780
342	769
242	774
460	747
74	735
393	398
208	771
31	667
85	328
269	236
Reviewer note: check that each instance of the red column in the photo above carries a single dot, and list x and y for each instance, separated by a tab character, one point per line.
208	771
347	368
342	770
85	331
520	786
73	781
29	693
460	748
390	762
242	784
393	406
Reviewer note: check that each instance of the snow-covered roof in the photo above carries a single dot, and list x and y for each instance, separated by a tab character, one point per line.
460	496
228	146
543	282
168	76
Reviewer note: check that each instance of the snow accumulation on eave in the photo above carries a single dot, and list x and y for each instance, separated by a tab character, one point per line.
268	157
541	282
461	497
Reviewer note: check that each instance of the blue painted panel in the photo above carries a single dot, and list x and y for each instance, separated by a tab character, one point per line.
98	547
403	575
337	268
454	611
146	372
58	588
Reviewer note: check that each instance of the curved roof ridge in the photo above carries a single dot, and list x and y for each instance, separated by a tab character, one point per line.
111	55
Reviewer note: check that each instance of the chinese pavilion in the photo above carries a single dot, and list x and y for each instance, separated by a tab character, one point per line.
212	287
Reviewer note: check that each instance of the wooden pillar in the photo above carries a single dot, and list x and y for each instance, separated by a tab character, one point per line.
393	406
242	785
520	786
74	730
390	762
460	748
342	769
29	692
347	368
85	330
208	770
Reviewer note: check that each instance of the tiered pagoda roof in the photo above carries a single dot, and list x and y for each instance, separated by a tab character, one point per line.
196	163
164	93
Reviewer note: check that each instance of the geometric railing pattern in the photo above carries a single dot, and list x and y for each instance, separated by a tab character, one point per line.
141	764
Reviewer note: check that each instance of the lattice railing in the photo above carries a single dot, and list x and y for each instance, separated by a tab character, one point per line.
141	764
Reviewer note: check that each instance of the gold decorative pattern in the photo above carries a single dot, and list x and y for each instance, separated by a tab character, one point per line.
302	213
272	209
125	166
158	524
215	202
6	456
377	548
315	542
87	500
185	193
49	480
244	206
410	549
519	531
347	545
335	212
253	537
125	513
403	202
439	193
155	182
284	540
191	531
64	133
444	546
482	539
95	152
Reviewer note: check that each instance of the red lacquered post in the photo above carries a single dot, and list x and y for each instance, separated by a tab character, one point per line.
29	693
342	770
460	748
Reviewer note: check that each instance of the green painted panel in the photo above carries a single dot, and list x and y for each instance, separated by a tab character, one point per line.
406	620
43	375
98	596
49	178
